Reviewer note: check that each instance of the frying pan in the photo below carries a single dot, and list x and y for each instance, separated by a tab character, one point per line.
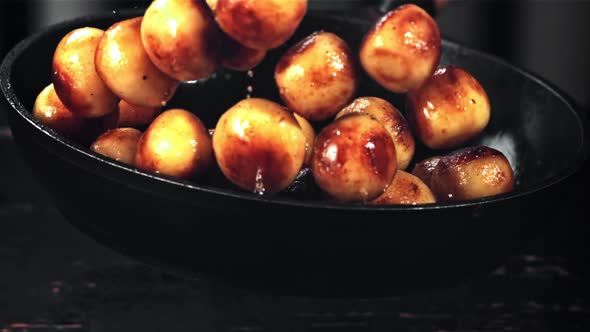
300	240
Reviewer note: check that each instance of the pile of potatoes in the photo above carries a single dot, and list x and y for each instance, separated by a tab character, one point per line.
107	85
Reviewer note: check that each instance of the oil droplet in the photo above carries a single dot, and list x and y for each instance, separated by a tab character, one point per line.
259	183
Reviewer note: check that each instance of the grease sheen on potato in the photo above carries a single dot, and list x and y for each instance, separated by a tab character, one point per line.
124	66
119	144
472	173
449	109
54	114
181	38
424	169
74	75
259	24
309	134
176	144
317	76
394	122
402	50
405	189
259	146
354	158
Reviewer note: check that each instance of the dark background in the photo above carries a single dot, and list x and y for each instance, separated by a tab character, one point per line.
53	278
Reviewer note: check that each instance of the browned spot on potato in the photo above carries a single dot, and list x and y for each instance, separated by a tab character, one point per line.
424	169
354	158
260	25
448	109
289	56
259	146
471	173
402	49
257	163
317	76
405	189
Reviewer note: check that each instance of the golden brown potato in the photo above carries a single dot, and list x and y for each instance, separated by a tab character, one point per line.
317	76
405	189
119	144
472	173
181	38
354	158
402	50
176	144
238	57
424	169
259	146
135	116
124	66
74	75
394	122
260	25
309	134
449	109
54	114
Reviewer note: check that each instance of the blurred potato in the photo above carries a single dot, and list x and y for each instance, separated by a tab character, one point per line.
119	144
236	56
449	109
472	173
317	76
309	134
395	123
402	50
181	38
54	114
259	146
124	66
405	189
135	116
354	158
74	75
260	24
176	144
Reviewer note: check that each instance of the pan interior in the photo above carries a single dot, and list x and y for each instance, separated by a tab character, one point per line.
531	124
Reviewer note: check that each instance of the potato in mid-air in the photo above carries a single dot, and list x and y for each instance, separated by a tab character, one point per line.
317	76
449	109
259	24
354	158
181	38
74	75
124	66
176	144
402	50
394	122
259	146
